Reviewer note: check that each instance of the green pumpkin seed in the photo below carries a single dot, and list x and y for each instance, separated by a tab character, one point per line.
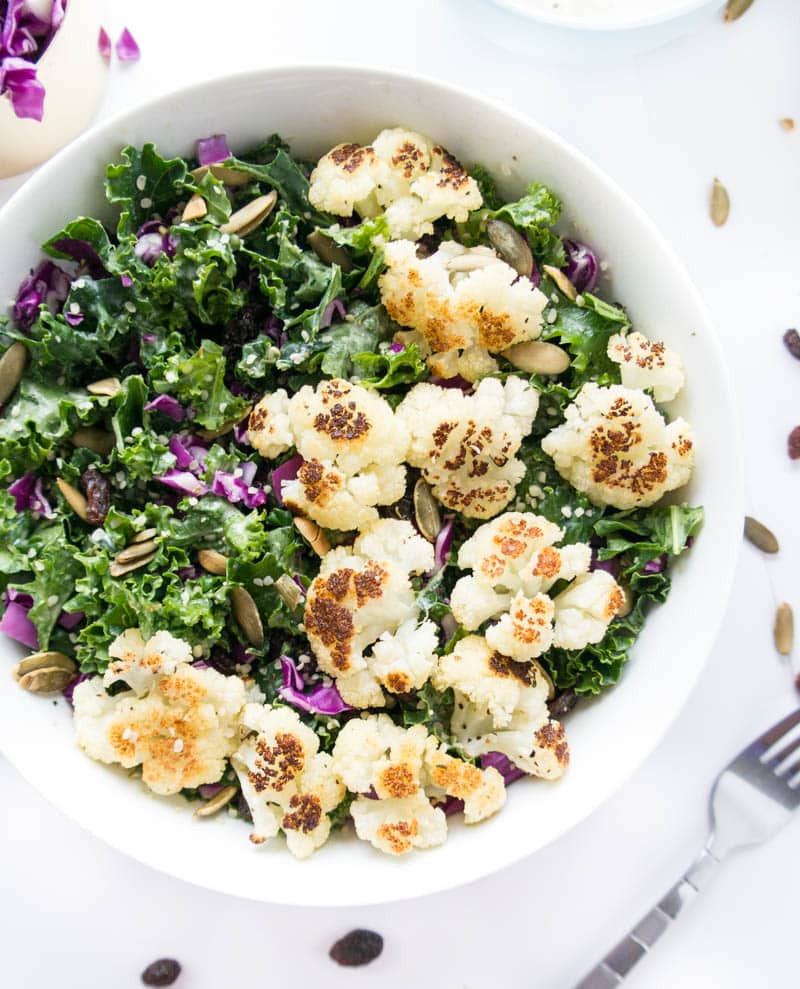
73	498
217	802
12	367
118	569
213	562
245	611
91	438
136	550
759	535
511	246
43	661
720	204
108	387
250	216
195	209
426	511
542	674
735	8
145	535
329	251
49	680
537	357
231	177
313	534
784	629
561	280
288	591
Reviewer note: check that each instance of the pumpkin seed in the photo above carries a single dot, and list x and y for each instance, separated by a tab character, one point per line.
537	357
48	680
144	536
118	569
787	124
250	216
329	251
195	209
784	629
720	204
759	535
627	601
288	591
105	386
214	434
73	498
92	438
313	535
561	281
426	511
735	8
470	262
228	176
12	367
217	802
213	562
511	246
136	550
245	611
45	660
542	673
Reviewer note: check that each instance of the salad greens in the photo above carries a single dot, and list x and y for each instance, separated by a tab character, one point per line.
196	323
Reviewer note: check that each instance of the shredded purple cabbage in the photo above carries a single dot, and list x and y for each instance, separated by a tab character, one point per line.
240	432
82	251
47	285
189	452
24	38
287	471
152	240
189	573
610	566
104	44
209	790
127	49
168	406
657	565
239	489
28	494
442	545
15	622
212	149
397	348
183	481
503	765
334	309
582	267
70	619
319	700
18	79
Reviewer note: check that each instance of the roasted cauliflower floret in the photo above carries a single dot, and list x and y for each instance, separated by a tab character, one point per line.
374	753
584	609
647	364
482	790
501	706
404	660
180	729
396	826
464	303
287	782
269	428
402	172
465	445
525	631
360	594
617	449
137	663
514	552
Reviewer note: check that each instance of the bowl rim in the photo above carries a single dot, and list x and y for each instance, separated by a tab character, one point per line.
604	25
511	853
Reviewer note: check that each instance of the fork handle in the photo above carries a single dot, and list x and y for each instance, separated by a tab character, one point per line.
635	945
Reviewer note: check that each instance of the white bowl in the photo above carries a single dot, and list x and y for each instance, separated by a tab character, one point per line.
589	15
313	108
74	77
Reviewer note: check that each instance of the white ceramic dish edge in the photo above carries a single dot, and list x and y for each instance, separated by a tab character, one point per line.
36	736
608	23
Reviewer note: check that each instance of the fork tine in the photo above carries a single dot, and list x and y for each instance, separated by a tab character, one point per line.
784	754
776	732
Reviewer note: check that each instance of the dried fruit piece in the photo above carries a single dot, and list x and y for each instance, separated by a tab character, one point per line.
12	367
759	535
735	8
784	629
563	704
720	204
217	802
794	443
98	495
163	972
359	947
792	340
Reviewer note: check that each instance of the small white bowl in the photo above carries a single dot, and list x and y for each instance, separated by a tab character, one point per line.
74	76
314	108
628	16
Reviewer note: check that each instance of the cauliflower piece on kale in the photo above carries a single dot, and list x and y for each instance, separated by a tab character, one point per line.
403	172
287	782
137	663
464	304
351	445
501	706
647	364
617	449
360	594
482	790
375	753
180	724
465	445
584	609
396	826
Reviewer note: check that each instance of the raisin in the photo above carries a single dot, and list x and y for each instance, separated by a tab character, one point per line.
248	323
563	704
359	947
161	973
792	340
98	495
794	443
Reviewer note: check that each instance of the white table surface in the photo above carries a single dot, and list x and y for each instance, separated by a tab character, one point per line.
663	124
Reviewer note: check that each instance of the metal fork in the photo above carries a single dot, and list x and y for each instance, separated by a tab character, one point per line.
751	800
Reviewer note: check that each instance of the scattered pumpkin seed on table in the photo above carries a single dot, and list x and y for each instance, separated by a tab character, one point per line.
735	8
759	535
784	629
720	204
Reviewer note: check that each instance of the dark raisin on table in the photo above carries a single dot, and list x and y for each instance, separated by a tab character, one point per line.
794	443
359	947
98	495
163	972
792	340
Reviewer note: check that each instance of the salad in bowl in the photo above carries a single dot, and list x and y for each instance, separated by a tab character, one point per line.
330	487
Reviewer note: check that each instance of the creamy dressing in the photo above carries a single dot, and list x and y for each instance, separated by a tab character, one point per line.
598	9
